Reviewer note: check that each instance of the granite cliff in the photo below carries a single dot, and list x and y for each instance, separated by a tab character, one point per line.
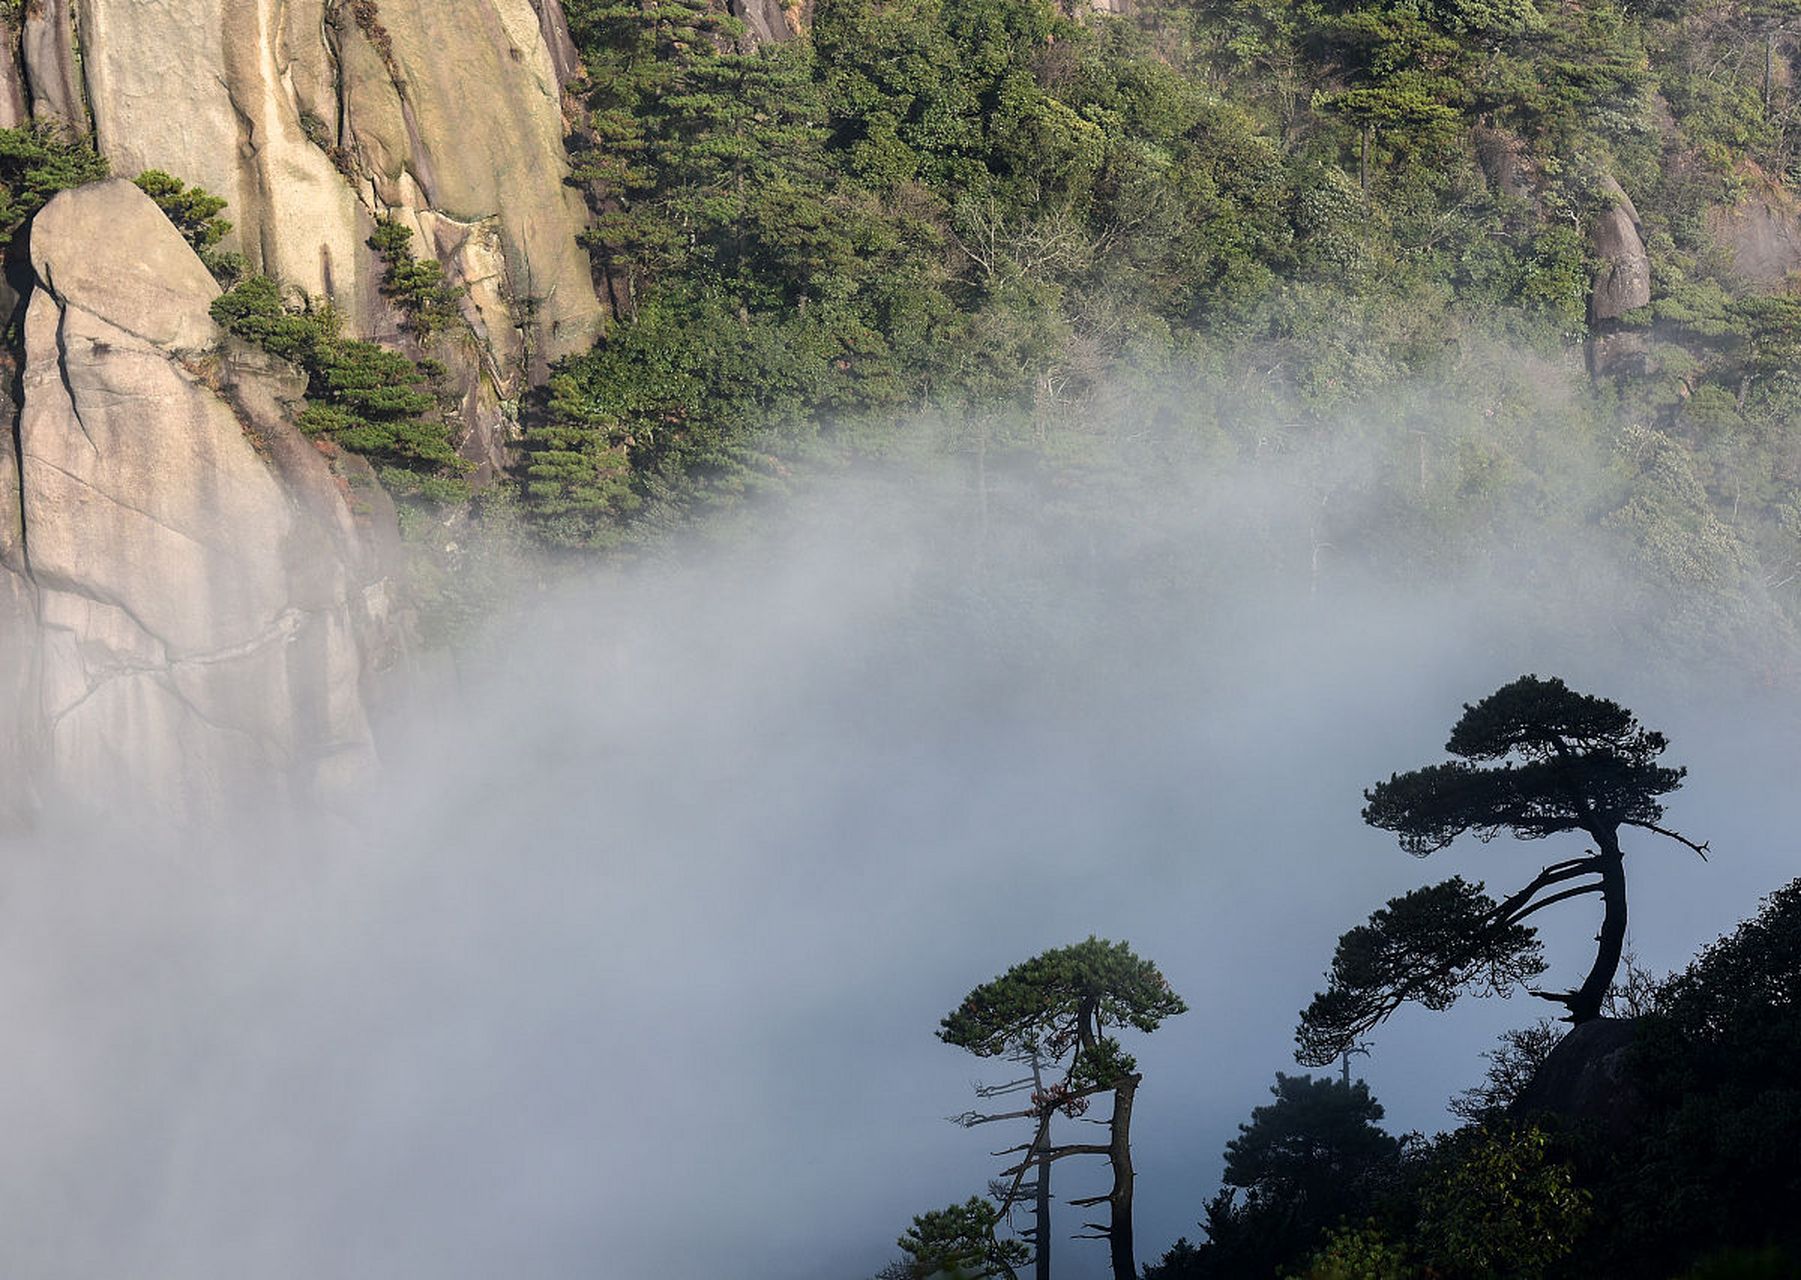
196	597
313	119
193	596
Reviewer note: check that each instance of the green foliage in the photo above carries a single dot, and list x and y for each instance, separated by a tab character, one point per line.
1428	946
1358	1253
1064	1001
1716	1160
195	213
1511	1066
1301	1165
997	214
960	1241
1311	1144
1536	758
360	395
35	163
415	285
1497	1206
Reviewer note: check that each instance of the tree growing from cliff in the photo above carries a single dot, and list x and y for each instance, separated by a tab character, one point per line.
416	285
360	395
194	210
35	163
1534	758
1061	1004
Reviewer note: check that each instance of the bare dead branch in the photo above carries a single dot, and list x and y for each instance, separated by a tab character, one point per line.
970	1119
1677	836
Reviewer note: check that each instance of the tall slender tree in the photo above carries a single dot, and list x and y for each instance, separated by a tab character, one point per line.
1534	758
1038	1185
1062	1005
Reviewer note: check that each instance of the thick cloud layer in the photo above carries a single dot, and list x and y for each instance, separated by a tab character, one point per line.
633	966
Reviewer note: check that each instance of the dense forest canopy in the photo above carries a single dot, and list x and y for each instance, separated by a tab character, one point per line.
1250	224
1472	264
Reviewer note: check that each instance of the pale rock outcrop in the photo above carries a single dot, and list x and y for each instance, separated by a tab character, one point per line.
1623	282
15	108
315	117
766	21
47	41
207	611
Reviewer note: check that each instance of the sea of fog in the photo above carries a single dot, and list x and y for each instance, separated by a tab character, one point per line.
632	964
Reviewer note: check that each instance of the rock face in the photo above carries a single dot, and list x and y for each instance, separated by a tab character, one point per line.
1761	231
1624	280
1584	1079
1507	163
767	21
1622	284
314	117
203	611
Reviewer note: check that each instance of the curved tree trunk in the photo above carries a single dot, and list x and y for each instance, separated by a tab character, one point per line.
1585	1002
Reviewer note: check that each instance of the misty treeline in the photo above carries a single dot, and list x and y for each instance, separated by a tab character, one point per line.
1105	248
1659	1135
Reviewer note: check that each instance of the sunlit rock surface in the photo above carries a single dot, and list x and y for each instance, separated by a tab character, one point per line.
315	117
203	611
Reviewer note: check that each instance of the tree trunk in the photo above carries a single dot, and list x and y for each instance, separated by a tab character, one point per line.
1041	1194
1119	1231
1585	1004
1041	1246
1769	67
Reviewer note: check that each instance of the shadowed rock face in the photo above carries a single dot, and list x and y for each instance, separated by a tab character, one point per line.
1622	284
1584	1079
199	608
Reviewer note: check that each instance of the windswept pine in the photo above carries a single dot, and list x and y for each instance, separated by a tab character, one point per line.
1536	759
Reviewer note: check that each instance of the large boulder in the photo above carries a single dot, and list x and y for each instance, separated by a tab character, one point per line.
204	611
1584	1079
1623	281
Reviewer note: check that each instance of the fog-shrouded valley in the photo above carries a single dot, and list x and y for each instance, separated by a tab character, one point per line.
810	640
